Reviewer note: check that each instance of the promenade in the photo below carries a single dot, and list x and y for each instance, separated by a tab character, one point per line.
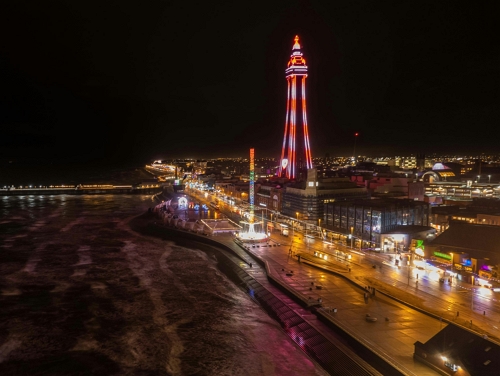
348	291
343	302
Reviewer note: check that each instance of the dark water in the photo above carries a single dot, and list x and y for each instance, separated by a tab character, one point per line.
82	294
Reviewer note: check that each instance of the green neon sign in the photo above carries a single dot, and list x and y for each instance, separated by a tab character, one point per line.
442	255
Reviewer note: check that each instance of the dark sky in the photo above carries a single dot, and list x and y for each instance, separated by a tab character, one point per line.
94	81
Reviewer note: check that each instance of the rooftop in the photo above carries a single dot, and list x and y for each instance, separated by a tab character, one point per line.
481	238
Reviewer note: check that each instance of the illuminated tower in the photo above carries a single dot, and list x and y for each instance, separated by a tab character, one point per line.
252	186
249	233
296	117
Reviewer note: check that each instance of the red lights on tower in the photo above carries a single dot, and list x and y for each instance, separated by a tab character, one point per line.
296	116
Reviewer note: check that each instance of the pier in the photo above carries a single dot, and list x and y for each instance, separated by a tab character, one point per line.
95	189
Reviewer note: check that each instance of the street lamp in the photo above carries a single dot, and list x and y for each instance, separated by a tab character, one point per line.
352	229
478	178
472	295
354	150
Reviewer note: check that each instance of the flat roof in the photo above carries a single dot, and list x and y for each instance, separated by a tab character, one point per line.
470	236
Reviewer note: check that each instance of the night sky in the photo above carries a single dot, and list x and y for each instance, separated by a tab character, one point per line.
95	81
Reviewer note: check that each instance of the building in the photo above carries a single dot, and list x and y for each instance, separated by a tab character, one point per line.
269	196
305	200
234	190
408	163
296	151
441	216
416	190
472	250
480	211
441	191
455	350
369	219
400	238
488	219
442	172
384	184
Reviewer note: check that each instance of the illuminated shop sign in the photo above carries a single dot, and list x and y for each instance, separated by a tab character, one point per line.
462	267
484	274
442	255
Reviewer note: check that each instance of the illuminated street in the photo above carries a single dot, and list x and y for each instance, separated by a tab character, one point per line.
420	287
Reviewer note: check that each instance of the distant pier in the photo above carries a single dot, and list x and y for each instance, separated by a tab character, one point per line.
83	189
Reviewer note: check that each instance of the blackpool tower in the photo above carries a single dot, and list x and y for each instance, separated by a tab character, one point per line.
296	151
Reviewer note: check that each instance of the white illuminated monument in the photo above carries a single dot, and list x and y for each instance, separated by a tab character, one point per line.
249	232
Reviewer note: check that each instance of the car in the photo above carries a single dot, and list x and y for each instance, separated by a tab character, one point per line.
370	318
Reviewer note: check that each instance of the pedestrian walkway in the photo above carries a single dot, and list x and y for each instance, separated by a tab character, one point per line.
424	296
394	332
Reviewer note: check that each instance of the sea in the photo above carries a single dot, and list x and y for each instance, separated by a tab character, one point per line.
83	294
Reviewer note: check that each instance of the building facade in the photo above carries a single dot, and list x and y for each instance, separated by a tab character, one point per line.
368	219
306	200
269	196
471	250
